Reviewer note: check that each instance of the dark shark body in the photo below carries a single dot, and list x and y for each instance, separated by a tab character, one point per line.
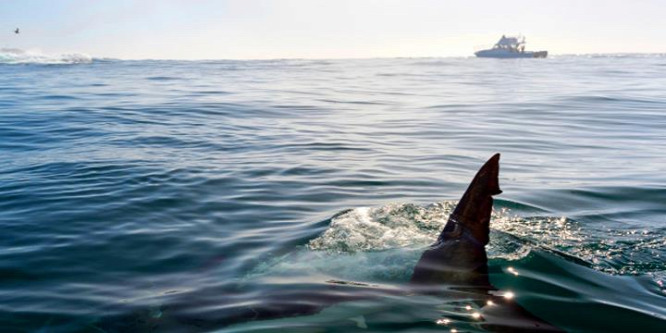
455	266
457	261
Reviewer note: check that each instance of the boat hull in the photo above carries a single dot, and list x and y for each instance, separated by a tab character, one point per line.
497	53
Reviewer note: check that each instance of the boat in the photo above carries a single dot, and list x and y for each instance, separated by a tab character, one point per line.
510	47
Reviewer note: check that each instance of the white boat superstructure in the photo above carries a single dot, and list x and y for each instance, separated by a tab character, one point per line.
510	47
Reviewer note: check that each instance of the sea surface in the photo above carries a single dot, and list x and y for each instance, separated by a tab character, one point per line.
153	196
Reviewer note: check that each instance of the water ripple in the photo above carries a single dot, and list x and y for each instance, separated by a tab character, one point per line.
131	190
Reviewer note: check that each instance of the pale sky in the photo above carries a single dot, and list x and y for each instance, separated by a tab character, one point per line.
264	29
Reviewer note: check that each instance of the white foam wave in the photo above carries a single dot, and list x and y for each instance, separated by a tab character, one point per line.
380	244
18	56
383	244
410	226
406	225
387	227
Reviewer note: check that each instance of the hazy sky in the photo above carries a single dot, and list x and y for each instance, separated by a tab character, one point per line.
257	29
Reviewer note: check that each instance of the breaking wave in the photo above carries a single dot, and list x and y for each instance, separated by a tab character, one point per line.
19	56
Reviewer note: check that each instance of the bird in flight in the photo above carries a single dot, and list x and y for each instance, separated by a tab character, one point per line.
16	31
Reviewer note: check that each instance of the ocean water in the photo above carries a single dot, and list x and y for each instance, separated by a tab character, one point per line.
155	196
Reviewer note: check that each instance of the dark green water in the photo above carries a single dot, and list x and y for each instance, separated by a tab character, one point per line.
140	196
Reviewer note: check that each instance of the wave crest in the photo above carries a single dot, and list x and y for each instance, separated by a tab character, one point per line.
19	56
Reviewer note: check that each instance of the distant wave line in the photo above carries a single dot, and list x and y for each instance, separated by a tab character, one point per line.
19	56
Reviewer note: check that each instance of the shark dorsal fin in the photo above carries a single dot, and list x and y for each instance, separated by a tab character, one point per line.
459	258
473	211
